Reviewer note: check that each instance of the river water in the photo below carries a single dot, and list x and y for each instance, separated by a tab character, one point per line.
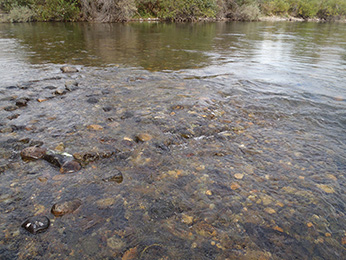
230	138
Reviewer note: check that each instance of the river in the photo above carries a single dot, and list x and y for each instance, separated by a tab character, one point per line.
229	137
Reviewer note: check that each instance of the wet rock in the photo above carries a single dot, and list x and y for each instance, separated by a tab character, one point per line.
113	177
70	167
95	127
62	208
71	85
50	87
116	243
36	224
127	115
55	159
92	100
143	137
107	109
33	153
60	92
86	157
11	117
68	69
22	102
11	108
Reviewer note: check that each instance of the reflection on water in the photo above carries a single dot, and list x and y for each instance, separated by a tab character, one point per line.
229	137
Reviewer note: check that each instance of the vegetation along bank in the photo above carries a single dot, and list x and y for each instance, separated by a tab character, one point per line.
177	10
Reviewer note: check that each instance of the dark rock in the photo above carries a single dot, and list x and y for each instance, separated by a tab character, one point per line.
65	207
68	69
70	167
18	127
11	87
11	108
127	115
113	177
107	109
55	159
36	224
11	117
33	153
36	143
22	102
92	100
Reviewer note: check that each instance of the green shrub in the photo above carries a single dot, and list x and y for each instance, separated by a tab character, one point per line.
275	7
57	10
20	14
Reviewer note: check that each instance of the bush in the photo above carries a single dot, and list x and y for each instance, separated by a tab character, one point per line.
57	10
20	14
108	10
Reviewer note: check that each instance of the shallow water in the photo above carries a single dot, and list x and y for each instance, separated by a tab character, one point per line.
244	156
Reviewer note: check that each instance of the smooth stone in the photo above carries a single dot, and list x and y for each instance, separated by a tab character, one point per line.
61	208
143	137
11	108
36	224
33	153
92	100
57	160
22	102
107	109
113	177
60	92
11	117
70	167
68	69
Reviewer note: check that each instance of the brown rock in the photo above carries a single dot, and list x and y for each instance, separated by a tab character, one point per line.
95	127
68	69
70	167
130	254
143	137
62	208
33	153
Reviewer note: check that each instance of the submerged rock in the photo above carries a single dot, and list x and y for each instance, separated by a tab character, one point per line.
113	177
68	69
62	208
54	158
70	167
33	153
36	224
22	102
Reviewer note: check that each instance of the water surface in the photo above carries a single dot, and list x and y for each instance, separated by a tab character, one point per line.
244	155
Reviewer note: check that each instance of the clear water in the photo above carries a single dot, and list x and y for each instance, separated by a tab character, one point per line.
247	152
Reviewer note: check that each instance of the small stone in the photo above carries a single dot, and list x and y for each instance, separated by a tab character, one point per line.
143	137
343	241
55	159
36	224
270	210
309	224
187	219
326	188
235	186
11	117
11	108
22	102
71	85
113	177
42	100
104	203
68	69
33	153
95	127
92	100
60	92
238	176
328	234
277	228
208	192
115	243
70	167
62	208
107	109
130	254
60	147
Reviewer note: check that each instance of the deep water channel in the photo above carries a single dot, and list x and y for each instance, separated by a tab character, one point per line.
229	139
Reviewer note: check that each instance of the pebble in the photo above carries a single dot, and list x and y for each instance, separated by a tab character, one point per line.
92	100
235	186
326	188
36	224
143	137
113	177
68	69
62	208
238	176
11	108
55	159
33	153
22	102
70	167
95	127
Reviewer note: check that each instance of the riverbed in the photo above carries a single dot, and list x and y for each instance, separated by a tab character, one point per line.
229	137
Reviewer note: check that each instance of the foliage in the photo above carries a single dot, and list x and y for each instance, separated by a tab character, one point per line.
19	14
57	10
108	10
